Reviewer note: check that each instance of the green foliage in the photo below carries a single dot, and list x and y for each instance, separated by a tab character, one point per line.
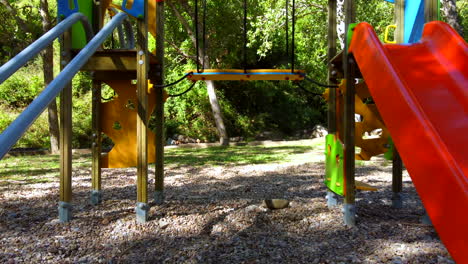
236	155
37	136
248	107
20	89
462	7
81	119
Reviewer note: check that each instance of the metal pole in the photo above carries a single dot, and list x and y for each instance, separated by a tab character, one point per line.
159	111
332	199
45	40
142	208
17	128
349	126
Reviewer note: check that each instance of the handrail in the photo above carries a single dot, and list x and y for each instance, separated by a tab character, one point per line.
130	42
17	128
45	40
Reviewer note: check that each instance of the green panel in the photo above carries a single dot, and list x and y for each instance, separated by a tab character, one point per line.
78	33
350	32
391	147
334	171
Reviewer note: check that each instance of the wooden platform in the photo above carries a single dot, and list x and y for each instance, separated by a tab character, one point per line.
248	75
115	64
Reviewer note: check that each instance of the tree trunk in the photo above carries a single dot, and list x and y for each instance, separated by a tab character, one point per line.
48	71
210	85
217	114
449	10
340	23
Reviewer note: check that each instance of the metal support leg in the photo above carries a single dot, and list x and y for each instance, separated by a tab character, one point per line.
65	209
332	199
142	212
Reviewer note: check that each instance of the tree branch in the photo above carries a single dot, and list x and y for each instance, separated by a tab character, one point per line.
12	10
180	51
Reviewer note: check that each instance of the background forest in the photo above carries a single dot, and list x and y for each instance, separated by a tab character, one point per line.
248	108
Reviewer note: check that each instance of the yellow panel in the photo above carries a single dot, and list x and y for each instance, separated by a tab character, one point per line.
123	110
249	75
371	121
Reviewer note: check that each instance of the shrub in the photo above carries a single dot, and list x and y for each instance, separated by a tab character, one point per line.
20	90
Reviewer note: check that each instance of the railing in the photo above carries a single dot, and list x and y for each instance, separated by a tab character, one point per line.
17	128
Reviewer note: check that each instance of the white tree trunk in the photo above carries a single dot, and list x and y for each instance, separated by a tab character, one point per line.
218	116
210	85
449	10
340	23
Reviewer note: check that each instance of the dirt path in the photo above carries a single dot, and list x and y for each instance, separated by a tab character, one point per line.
213	215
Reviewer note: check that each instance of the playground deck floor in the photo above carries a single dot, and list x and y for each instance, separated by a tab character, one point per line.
214	215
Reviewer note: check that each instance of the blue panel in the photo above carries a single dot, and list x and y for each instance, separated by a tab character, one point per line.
414	20
64	10
391	1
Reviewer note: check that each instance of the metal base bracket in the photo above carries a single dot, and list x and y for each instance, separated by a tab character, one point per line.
397	200
332	199
65	211
159	197
142	212
96	197
349	214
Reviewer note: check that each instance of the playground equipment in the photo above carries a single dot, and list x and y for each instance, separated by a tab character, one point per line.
123	119
418	96
420	91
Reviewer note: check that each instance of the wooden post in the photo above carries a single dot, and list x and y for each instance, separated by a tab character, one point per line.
332	199
431	10
400	20
96	196
65	136
142	207
159	111
332	37
397	168
349	141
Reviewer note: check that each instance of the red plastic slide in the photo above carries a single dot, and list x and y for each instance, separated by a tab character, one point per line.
421	91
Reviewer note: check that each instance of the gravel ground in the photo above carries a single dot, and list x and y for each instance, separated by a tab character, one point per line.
214	215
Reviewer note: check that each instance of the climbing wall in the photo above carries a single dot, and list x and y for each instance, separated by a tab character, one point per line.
371	134
118	122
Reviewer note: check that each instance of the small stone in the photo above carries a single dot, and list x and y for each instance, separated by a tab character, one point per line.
275	203
105	221
163	224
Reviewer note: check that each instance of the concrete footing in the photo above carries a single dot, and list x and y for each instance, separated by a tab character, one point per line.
96	197
159	197
332	199
349	214
142	212
65	212
397	201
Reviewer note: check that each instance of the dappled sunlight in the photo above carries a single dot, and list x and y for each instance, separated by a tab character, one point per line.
213	211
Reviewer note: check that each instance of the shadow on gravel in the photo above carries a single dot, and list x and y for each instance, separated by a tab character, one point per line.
307	232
